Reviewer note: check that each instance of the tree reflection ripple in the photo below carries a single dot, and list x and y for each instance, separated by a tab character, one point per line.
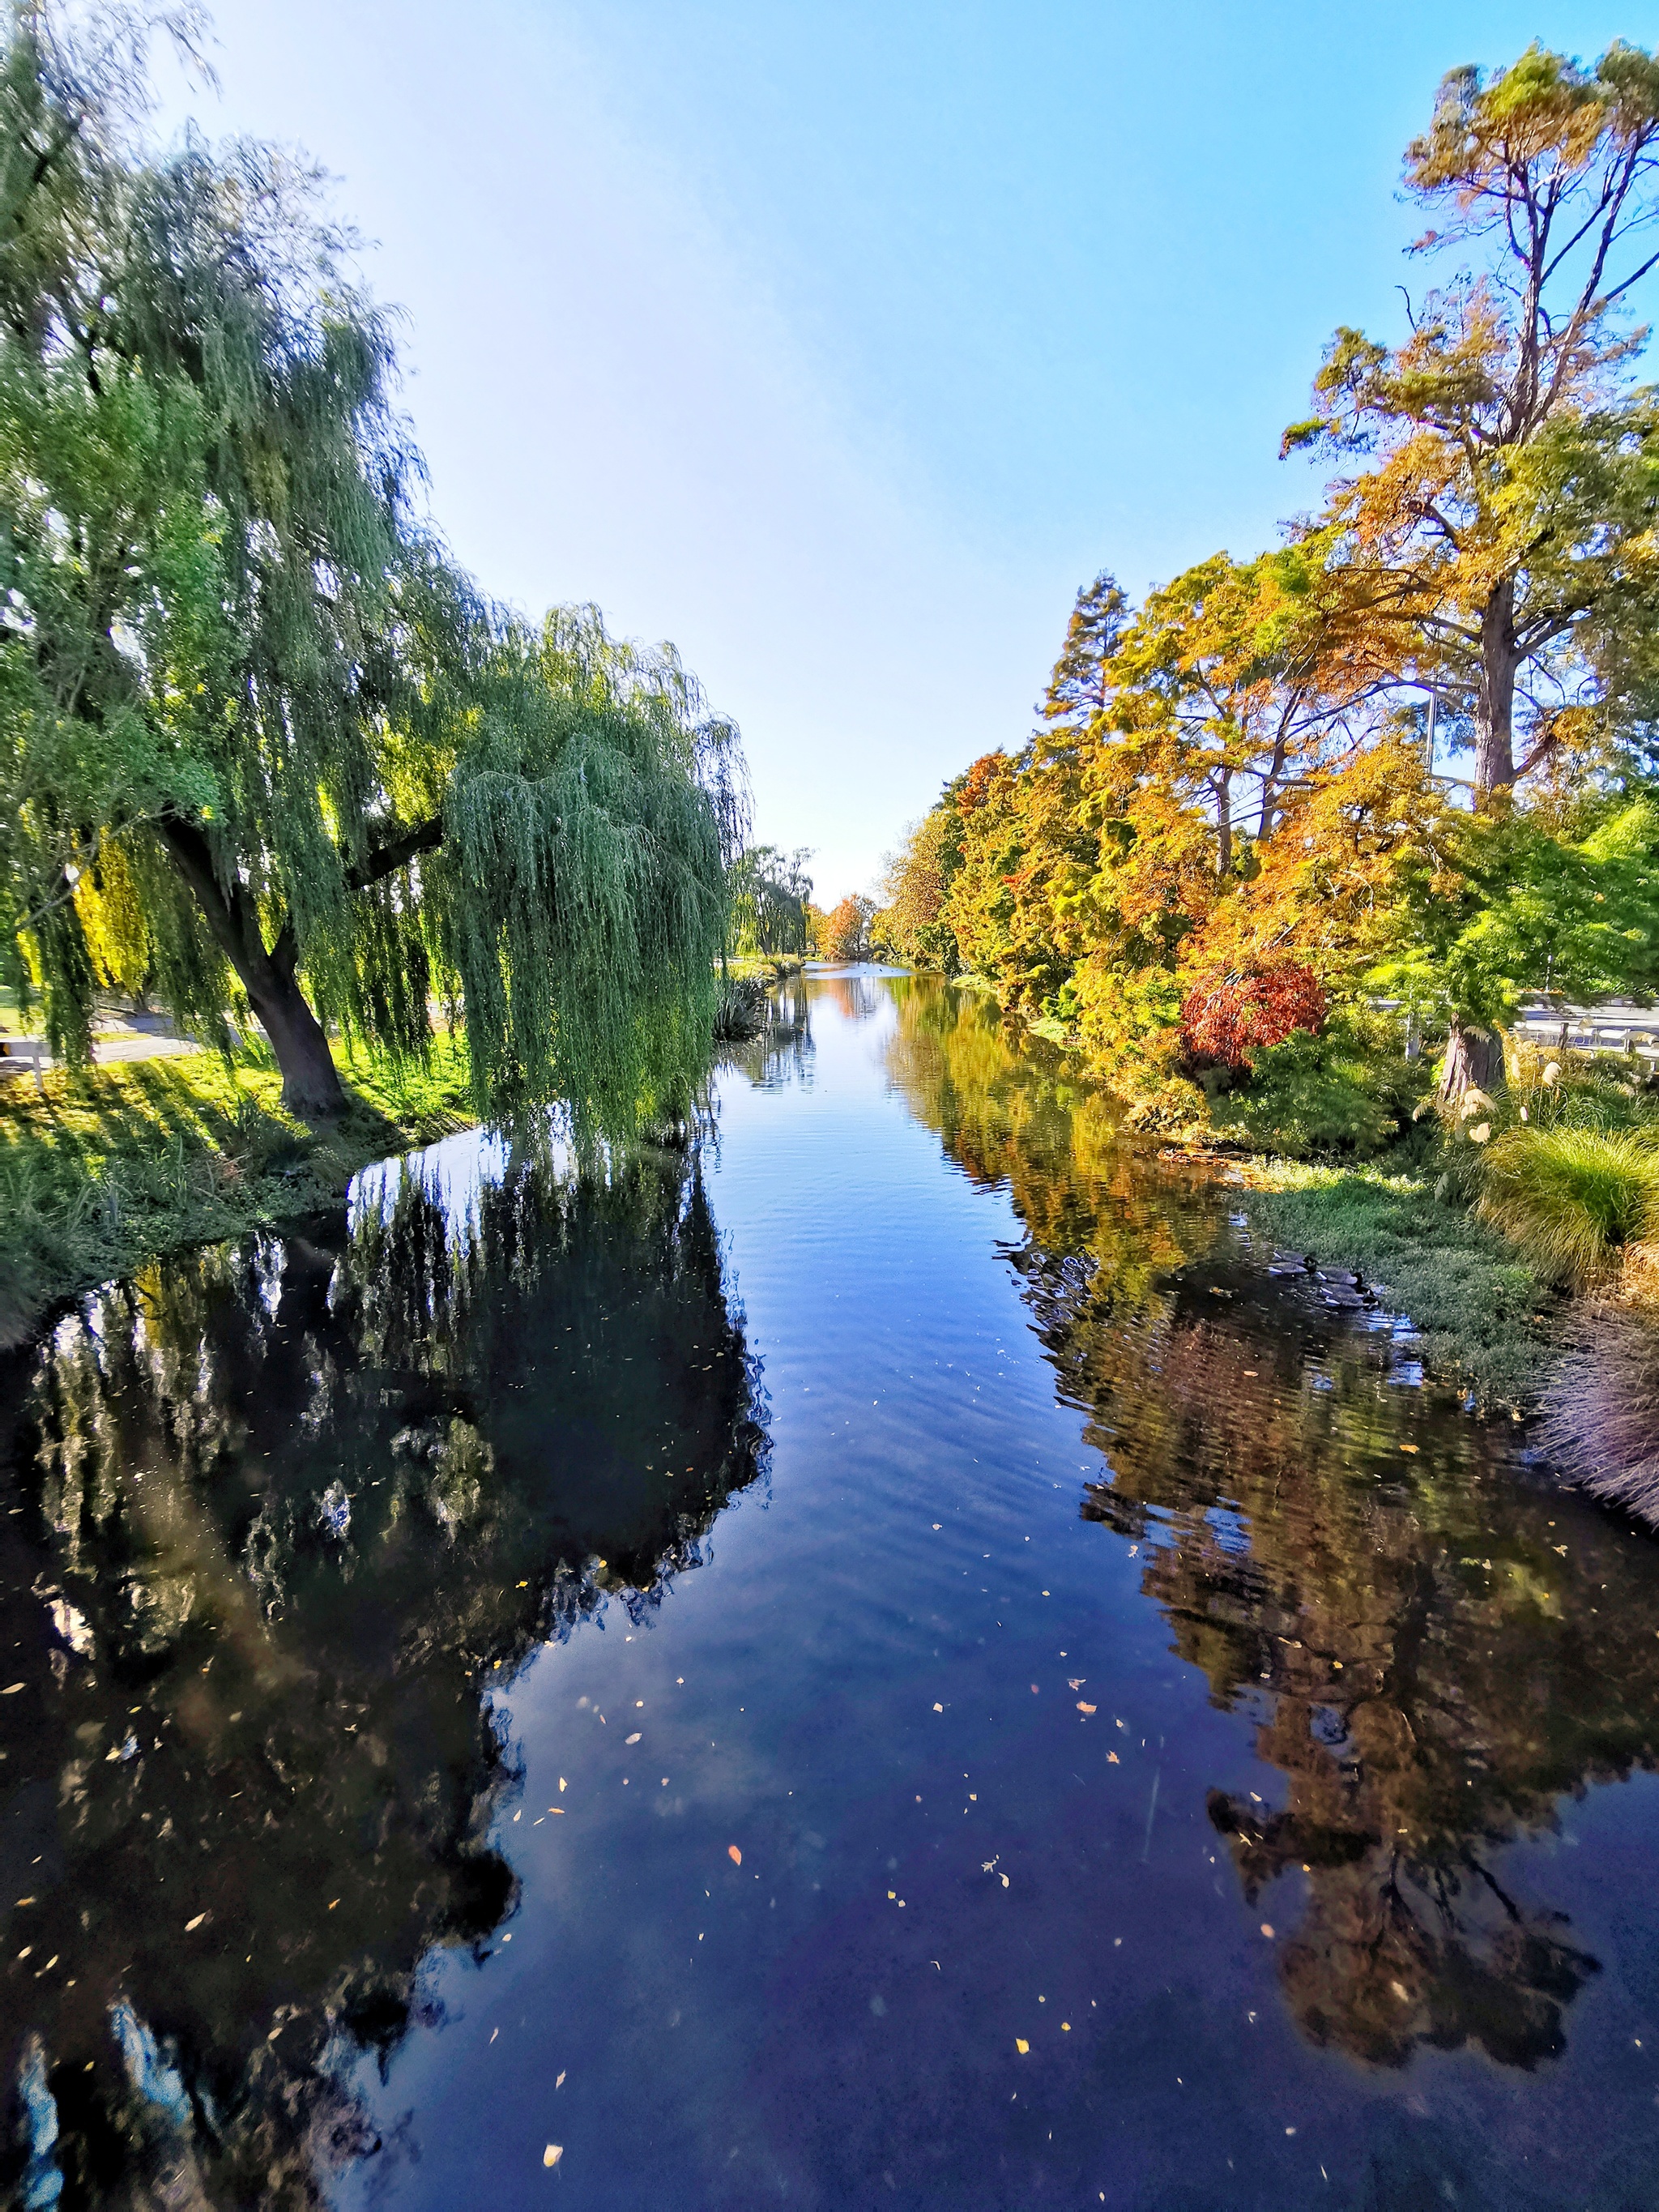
281	1517
1435	1644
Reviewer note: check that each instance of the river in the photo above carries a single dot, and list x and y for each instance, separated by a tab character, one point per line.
884	1659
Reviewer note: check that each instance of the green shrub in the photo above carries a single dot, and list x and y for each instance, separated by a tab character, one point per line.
1571	1199
1349	1092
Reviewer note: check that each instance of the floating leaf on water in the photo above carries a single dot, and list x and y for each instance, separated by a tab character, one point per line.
634	1738
939	1708
1268	1930
735	1855
1111	1759
1021	2045
190	1926
553	2153
1082	1708
559	2084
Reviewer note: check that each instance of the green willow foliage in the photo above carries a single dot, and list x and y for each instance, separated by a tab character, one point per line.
261	744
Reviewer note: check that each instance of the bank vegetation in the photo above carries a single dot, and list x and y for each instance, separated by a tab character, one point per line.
1300	836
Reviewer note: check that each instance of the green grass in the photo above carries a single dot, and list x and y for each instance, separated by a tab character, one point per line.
1571	1199
110	1169
1477	1304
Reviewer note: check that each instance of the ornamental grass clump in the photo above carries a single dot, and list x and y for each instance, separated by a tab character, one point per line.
1573	1199
1599	1412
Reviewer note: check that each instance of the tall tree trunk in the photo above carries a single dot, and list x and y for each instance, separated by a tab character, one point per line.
1223	822
1494	697
1473	1061
311	1082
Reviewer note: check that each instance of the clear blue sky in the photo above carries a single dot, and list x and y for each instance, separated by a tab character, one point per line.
840	343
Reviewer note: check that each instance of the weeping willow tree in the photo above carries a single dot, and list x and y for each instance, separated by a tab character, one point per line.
261	744
769	895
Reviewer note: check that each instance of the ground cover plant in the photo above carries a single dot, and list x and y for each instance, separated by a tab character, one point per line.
102	1171
1482	1313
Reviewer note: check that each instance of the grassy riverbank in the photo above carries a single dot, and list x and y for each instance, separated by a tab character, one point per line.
1481	1312
106	1171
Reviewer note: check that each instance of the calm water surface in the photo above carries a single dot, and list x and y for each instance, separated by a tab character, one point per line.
890	1664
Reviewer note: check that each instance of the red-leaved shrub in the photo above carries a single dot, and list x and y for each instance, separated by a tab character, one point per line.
1228	1018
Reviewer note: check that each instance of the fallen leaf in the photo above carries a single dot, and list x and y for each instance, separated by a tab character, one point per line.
10	1690
1076	1681
562	1785
735	1855
938	1525
559	2084
553	2153
1111	1759
559	1809
1412	1448
1082	1708
634	1738
1268	1930
1021	2045
190	1926
939	1708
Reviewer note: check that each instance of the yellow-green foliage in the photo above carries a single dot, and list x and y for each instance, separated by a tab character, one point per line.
109	1170
1572	1199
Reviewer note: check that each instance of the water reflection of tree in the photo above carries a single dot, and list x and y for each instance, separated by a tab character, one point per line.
783	1053
289	1510
859	997
1437	1647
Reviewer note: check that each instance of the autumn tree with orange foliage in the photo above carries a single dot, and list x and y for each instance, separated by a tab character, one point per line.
1499	549
1231	784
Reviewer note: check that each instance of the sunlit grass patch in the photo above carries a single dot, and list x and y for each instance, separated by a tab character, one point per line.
1474	1299
103	1171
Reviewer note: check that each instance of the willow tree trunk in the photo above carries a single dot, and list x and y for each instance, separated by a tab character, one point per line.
1494	697
1473	1061
311	1081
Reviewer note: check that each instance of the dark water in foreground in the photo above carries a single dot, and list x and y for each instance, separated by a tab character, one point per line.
894	1666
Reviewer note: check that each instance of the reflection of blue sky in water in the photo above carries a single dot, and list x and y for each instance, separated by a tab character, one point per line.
1001	1773
456	1170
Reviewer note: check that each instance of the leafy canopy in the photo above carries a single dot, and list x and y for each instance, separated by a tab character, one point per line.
261	743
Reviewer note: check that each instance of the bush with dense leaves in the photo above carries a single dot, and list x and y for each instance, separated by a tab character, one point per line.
1223	1021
